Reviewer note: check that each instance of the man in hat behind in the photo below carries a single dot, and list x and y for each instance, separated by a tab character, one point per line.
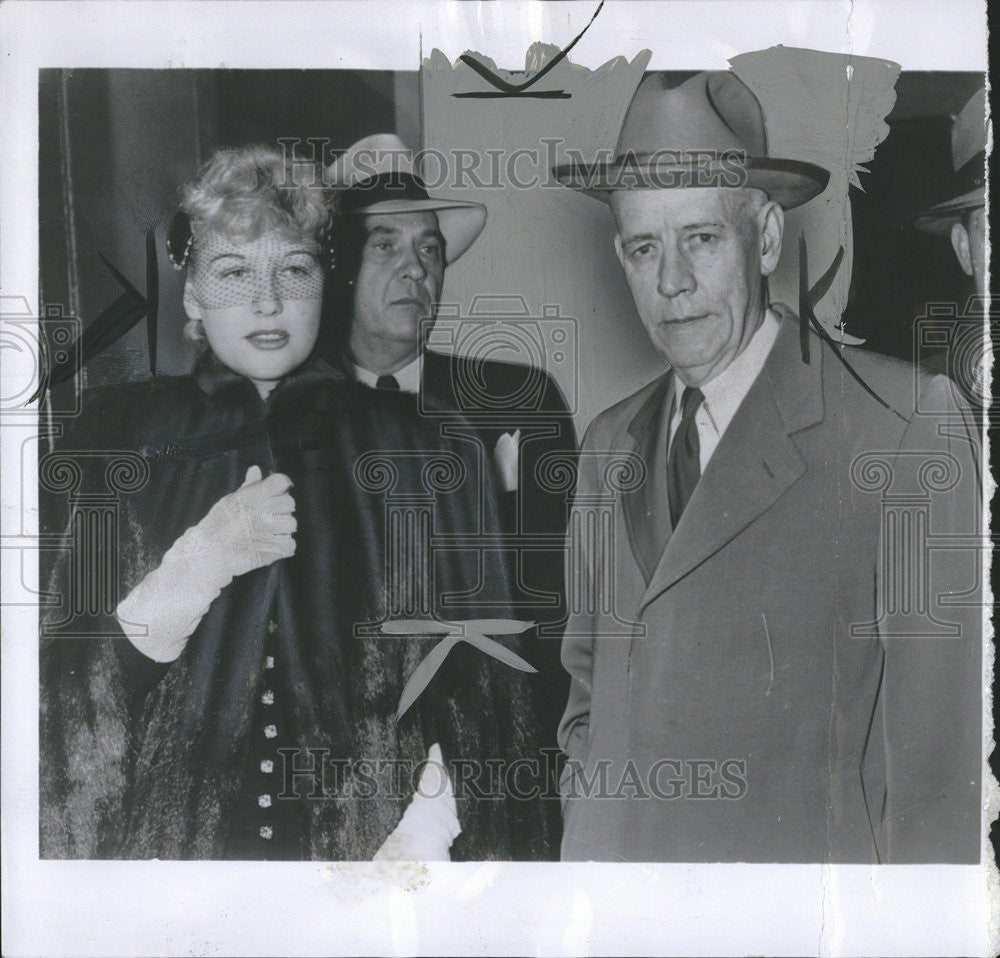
392	248
797	684
962	218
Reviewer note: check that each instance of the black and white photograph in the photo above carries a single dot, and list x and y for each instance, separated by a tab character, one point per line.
497	477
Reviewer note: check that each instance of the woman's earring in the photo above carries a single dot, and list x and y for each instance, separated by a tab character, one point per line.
179	233
194	331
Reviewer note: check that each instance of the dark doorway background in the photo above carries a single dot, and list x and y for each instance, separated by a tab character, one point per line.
898	270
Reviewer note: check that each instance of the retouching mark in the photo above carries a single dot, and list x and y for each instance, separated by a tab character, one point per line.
770	654
807	300
505	88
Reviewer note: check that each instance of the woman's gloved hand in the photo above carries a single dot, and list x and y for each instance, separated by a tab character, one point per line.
246	529
430	823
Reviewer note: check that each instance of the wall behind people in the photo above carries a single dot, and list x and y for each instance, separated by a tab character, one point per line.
544	248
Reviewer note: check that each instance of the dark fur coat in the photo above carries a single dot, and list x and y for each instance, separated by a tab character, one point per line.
159	770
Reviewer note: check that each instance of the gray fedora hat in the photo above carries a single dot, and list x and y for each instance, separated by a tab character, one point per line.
968	158
708	131
377	175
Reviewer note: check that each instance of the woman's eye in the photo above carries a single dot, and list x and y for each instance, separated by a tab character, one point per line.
237	272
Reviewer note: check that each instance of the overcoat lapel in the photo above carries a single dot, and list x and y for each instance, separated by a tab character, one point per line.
755	462
647	514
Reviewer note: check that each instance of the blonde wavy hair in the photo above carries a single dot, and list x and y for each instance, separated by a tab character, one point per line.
244	192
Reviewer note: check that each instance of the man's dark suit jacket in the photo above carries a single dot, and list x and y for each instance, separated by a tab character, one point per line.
498	398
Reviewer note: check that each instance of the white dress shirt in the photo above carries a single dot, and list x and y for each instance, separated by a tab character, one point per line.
408	377
725	392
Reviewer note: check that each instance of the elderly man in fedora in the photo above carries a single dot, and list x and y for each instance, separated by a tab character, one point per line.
801	678
392	247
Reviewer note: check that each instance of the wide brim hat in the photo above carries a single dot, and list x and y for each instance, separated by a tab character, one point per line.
967	189
377	175
707	132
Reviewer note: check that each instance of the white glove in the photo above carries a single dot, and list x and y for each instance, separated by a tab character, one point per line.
247	529
430	823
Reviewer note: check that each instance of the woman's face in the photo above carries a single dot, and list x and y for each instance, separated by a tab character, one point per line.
259	301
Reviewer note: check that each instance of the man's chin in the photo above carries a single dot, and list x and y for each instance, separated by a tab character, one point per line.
695	370
407	324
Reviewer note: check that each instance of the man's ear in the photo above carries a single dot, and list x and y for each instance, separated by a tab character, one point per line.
960	244
191	305
772	228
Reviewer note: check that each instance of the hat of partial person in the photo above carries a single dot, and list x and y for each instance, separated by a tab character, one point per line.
967	189
378	175
707	132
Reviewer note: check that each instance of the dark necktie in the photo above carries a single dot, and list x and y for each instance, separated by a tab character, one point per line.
387	382
683	460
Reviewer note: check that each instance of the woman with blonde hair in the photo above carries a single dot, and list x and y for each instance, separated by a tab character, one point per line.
238	700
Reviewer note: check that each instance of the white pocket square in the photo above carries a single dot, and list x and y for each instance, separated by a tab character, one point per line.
505	454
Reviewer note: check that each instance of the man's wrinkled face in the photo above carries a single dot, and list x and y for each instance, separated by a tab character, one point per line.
695	261
399	282
259	301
